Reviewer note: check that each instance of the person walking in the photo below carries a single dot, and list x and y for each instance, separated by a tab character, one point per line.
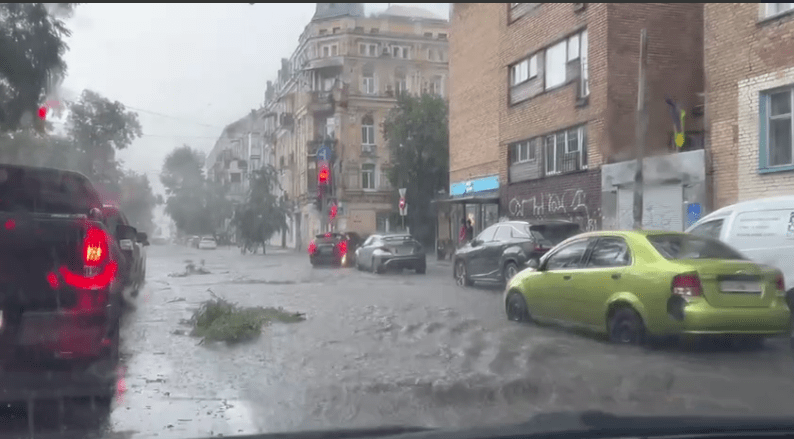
462	233
469	231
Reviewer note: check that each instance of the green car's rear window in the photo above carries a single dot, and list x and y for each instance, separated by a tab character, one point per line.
675	246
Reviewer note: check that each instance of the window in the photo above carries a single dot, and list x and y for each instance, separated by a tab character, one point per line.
503	234
568	257
431	54
555	65
400	52
369	84
368	176
711	229
573	47
442	36
524	70
776	108
584	88
367	130
434	86
609	252
487	235
330	50
566	150
400	85
681	246
525	151
368	49
777	8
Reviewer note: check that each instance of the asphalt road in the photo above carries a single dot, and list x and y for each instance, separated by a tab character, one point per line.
395	349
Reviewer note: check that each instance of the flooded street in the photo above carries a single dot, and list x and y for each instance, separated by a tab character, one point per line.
395	349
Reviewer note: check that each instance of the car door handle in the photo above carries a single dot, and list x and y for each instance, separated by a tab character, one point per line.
566	277
616	276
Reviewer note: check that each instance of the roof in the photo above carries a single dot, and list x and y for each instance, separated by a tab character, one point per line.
410	12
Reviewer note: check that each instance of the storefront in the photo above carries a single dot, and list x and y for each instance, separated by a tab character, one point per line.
476	200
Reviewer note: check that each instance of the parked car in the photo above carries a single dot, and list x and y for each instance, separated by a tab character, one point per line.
630	285
207	243
504	249
193	241
328	249
392	251
762	229
133	269
60	301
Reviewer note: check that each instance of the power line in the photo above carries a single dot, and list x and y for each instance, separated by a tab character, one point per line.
172	136
155	113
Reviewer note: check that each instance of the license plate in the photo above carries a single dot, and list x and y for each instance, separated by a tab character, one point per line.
730	286
325	250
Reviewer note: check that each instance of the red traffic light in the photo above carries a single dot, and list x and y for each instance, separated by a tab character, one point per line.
322	177
333	211
402	203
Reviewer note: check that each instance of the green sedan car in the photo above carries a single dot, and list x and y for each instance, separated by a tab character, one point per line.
630	285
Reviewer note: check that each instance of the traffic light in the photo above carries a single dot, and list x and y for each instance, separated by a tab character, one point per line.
323	175
333	210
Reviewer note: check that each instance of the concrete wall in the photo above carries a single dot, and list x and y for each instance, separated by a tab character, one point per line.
686	169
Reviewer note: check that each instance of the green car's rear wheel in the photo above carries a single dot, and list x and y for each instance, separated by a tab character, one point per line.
626	327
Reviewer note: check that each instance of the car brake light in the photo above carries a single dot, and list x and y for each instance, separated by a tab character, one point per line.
687	285
95	247
312	248
343	247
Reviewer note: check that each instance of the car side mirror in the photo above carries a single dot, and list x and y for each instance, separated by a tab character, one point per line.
475	242
143	238
126	232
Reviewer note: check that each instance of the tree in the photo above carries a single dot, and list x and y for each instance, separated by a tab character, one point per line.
417	134
31	49
28	147
98	128
196	205
263	214
138	201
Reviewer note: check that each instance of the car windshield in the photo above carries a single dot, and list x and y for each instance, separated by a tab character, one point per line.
681	246
362	215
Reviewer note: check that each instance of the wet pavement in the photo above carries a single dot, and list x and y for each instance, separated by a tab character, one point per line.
396	349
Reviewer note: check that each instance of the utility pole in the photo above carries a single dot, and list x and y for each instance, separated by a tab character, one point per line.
642	130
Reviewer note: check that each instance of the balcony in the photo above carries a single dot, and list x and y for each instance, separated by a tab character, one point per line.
322	102
312	146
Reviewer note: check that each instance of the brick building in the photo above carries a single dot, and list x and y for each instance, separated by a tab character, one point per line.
749	54
567	94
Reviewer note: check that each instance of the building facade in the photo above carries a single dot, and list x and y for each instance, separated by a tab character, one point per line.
567	98
749	53
330	99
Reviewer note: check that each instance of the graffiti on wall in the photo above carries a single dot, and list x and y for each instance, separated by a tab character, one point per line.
570	204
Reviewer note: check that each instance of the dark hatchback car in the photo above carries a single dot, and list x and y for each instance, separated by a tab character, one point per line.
395	251
328	249
502	250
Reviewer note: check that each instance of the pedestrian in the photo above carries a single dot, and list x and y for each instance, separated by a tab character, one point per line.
462	233
469	231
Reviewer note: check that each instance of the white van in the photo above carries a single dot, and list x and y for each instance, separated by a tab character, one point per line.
762	229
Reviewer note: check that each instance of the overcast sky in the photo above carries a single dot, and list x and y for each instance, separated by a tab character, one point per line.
187	69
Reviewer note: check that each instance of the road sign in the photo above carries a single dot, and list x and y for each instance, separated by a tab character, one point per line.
402	192
324	154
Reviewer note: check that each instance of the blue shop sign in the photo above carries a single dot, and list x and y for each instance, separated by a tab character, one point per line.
473	186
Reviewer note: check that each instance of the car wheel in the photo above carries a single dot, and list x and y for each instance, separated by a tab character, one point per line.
462	275
510	270
626	327
516	308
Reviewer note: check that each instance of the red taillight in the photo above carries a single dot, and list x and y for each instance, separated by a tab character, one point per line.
343	247
95	247
687	285
780	281
312	248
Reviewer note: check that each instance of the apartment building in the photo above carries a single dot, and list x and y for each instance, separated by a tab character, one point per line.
567	90
331	97
749	53
228	161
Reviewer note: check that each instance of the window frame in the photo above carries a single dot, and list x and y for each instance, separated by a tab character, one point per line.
530	149
368	130
588	243
594	246
365	170
581	131
765	116
367	51
368	79
769	13
528	64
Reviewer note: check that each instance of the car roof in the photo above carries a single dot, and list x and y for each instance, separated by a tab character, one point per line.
627	233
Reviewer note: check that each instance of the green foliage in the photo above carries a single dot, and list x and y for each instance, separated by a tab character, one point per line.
417	134
220	320
31	49
28	147
197	206
263	214
138	201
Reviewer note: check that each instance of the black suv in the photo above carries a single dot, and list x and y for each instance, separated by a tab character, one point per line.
502	250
